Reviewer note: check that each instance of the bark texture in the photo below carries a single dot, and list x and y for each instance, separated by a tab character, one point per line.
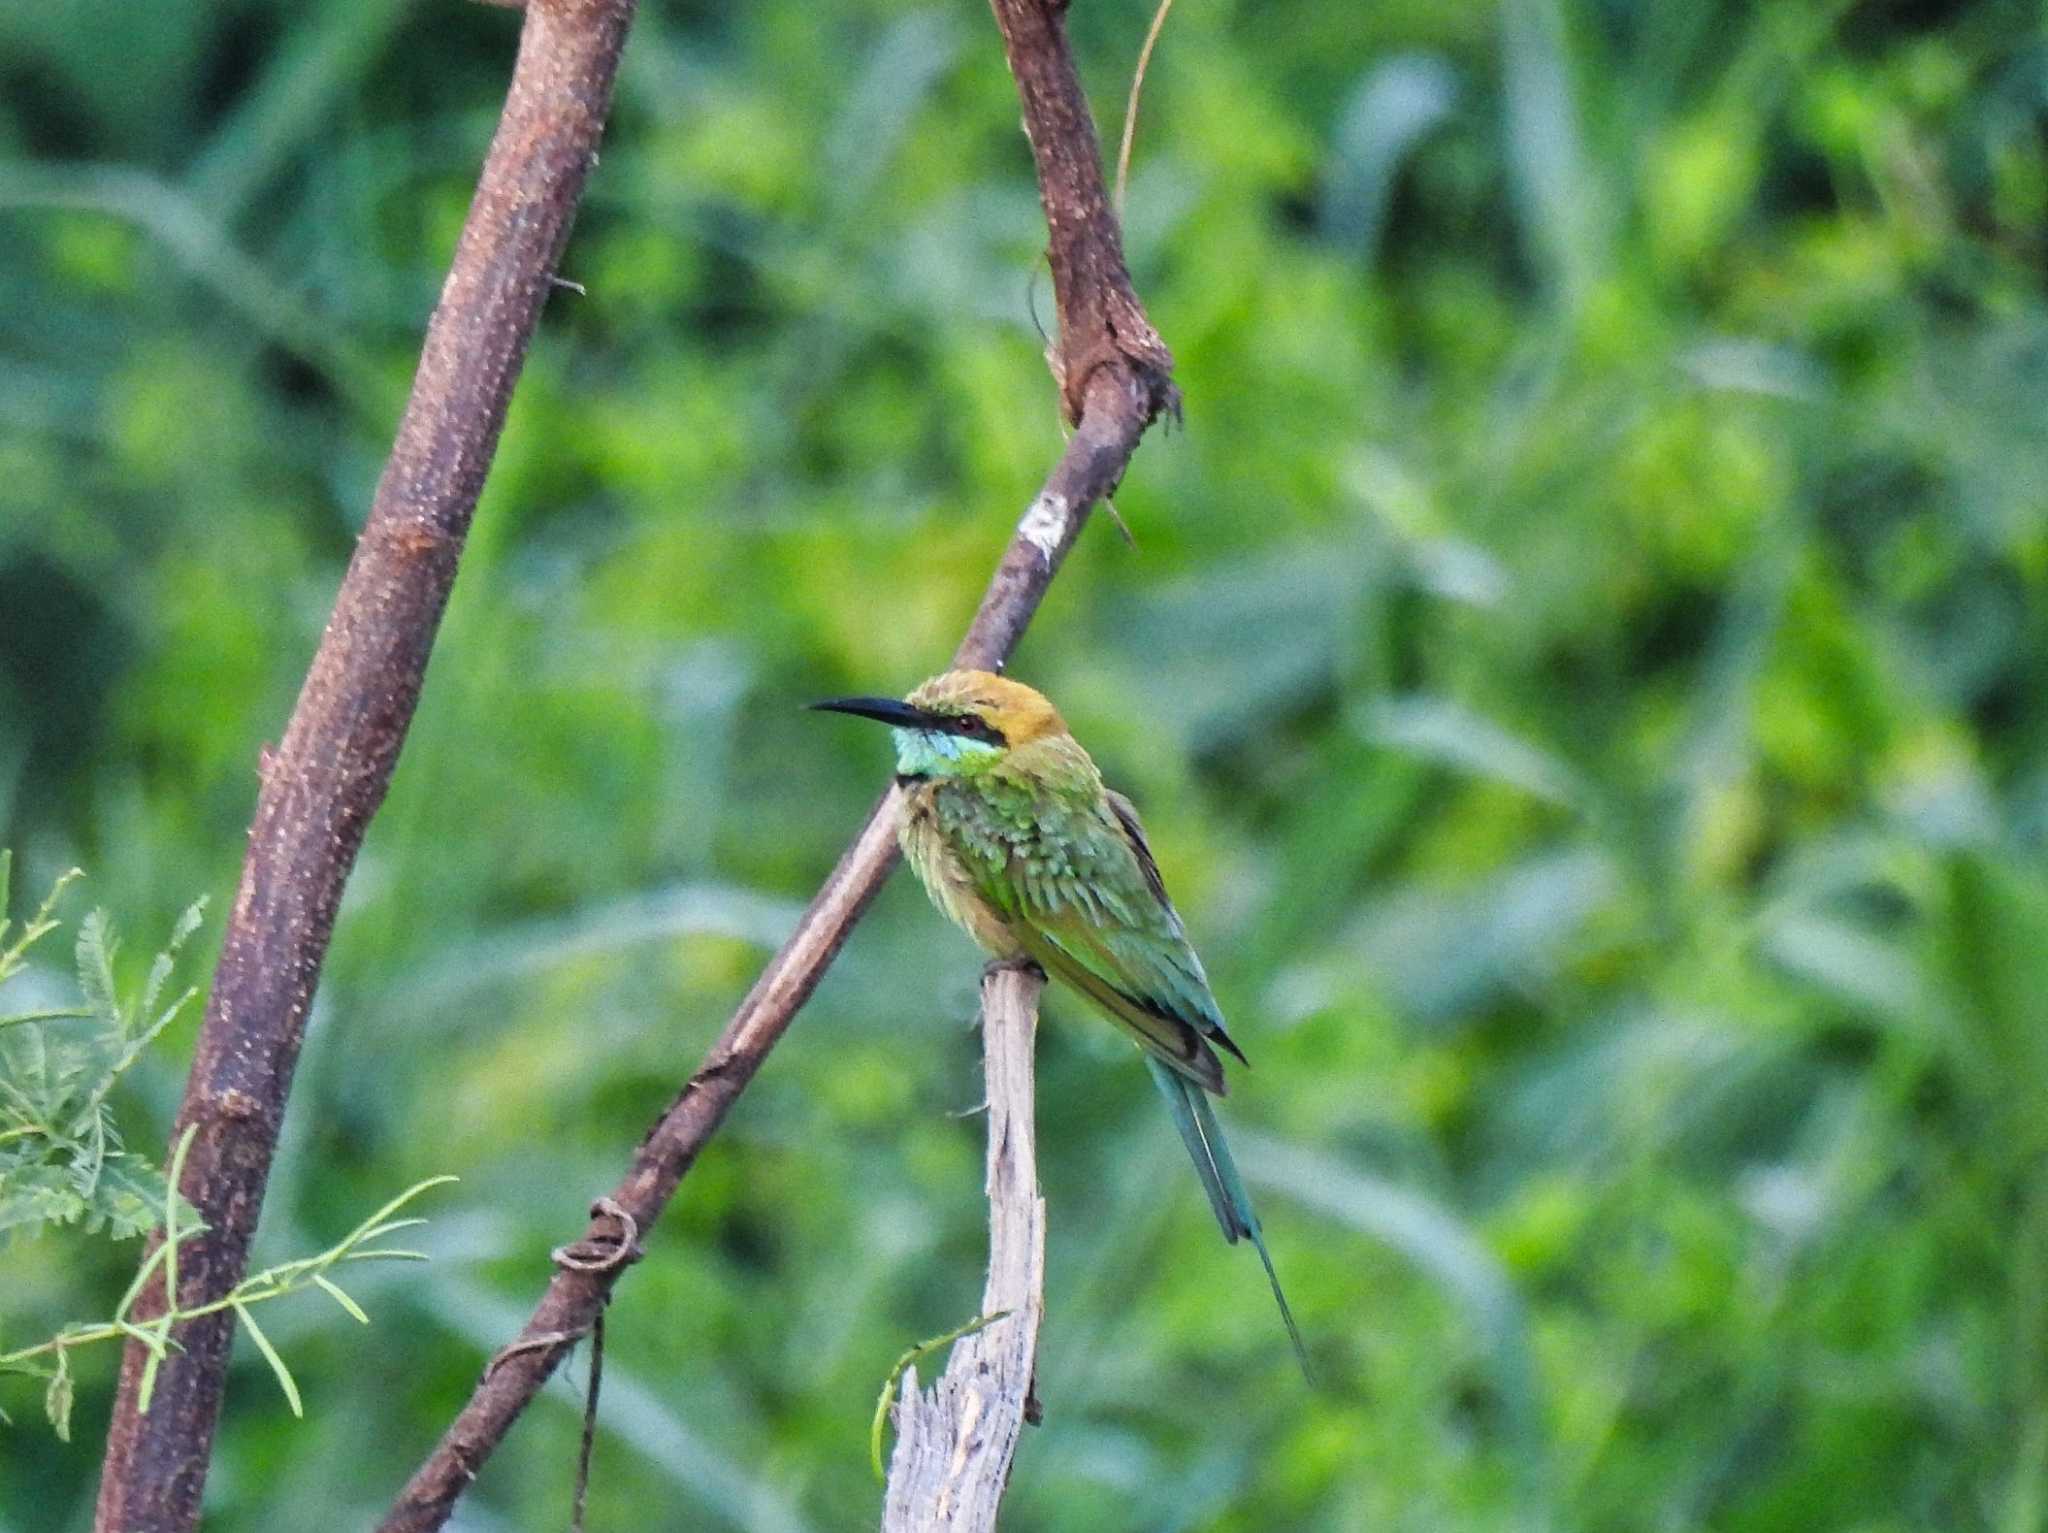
955	1443
328	776
1101	322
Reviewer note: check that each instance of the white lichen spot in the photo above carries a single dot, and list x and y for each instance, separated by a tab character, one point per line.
1045	524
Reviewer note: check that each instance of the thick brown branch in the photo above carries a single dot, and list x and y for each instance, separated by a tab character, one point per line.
954	1445
1100	318
1115	397
327	778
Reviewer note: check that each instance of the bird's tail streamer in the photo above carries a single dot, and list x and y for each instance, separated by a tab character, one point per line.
1203	1135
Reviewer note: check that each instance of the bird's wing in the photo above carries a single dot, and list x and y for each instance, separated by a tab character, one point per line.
1133	830
1099	920
1186	967
1071	956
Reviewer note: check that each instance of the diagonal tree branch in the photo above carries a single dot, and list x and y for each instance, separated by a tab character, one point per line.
329	775
1116	417
1101	322
954	1446
1115	380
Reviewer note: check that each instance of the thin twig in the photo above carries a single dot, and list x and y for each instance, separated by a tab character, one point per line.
955	1443
1123	153
885	1403
329	774
589	1423
1115	379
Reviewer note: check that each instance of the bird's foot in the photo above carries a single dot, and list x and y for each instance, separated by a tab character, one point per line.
1021	964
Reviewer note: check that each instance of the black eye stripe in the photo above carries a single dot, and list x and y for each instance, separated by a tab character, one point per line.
974	727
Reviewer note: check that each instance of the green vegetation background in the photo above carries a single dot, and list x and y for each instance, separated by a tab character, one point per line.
1582	662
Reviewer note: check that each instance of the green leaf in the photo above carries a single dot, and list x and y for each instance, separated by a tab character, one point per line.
57	1398
38	1194
335	1292
41	924
51	1014
284	1374
17	1107
96	946
1441	730
130	1197
1400	100
1558	193
146	1392
388	1227
171	1210
151	1338
149	1264
160	970
116	1066
381	1222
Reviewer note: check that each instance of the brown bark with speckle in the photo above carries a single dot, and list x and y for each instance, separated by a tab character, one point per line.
1115	380
326	779
1101	322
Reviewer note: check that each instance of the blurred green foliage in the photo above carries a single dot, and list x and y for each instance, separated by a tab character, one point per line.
1582	665
62	1156
63	1160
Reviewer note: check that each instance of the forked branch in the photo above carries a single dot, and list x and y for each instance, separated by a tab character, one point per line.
1115	380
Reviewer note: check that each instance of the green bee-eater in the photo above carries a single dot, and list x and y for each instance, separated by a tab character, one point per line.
1010	829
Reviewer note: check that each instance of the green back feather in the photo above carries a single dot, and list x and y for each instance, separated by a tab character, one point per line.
1065	864
1068	870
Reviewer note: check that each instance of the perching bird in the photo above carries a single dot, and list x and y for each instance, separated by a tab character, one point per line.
1010	829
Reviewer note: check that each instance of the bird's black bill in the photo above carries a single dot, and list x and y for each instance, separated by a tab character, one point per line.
884	710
